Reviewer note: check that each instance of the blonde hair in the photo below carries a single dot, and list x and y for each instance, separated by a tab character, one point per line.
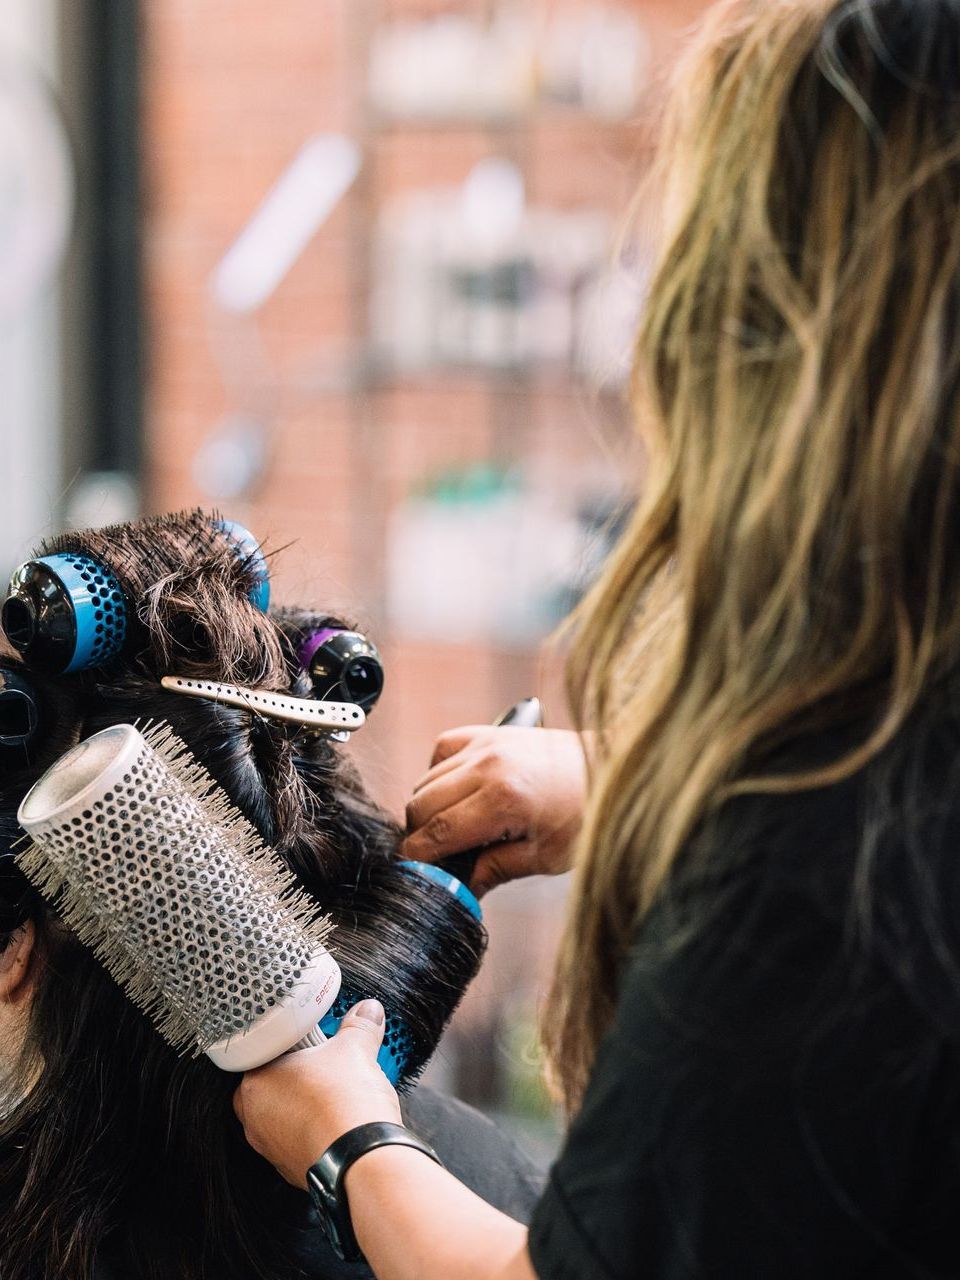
797	550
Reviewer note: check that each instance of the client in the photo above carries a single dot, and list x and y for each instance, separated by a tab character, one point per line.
120	1160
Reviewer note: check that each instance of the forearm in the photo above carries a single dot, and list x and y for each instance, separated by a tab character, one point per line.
415	1221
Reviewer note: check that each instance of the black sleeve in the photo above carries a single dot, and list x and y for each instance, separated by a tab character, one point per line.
764	1106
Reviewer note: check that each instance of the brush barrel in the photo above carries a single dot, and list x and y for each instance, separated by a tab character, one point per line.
397	1049
195	919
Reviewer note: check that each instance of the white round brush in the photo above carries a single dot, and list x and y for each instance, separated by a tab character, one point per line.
202	925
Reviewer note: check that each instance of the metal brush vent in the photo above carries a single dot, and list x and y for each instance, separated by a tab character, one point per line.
151	866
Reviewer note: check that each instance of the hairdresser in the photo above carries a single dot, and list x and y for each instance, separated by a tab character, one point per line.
755	1021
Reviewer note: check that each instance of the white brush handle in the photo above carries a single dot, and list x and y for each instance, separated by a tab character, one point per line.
289	1025
311	1040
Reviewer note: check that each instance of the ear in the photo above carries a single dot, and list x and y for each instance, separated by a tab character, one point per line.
16	967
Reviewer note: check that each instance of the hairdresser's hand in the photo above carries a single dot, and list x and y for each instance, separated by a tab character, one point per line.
293	1109
518	794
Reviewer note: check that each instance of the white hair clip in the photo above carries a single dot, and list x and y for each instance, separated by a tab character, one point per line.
340	718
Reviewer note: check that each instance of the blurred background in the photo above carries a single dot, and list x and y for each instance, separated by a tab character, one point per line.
361	274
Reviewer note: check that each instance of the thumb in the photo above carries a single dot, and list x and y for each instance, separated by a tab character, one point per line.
365	1024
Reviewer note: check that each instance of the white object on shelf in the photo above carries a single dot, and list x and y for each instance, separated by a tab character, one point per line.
452	67
36	186
607	324
290	215
471	276
456	68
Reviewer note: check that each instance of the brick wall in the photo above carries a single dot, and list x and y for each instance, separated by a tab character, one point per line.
233	89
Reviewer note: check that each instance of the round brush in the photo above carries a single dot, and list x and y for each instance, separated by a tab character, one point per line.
199	922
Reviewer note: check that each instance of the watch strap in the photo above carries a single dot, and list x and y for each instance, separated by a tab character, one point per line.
325	1178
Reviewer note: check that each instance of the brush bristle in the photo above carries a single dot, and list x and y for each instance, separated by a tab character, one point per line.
201	924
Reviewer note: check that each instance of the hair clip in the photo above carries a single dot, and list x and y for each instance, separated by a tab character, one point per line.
326	716
20	716
67	612
342	665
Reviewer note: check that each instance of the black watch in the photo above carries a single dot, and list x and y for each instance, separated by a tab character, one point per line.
325	1179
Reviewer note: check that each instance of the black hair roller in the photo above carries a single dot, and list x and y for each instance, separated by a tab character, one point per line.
341	664
22	729
21	717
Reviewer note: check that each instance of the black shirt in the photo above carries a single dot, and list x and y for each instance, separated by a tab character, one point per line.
778	1096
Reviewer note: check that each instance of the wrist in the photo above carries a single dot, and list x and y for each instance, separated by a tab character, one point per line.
326	1130
327	1178
376	1165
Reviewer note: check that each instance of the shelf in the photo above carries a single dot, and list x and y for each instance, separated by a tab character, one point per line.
554	117
358	377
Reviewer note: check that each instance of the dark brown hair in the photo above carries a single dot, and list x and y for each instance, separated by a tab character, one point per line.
111	1141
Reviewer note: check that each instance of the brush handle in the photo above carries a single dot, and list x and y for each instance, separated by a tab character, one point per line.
312	1040
525	714
291	1024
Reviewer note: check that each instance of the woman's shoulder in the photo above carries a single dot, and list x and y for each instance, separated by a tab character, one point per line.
861	876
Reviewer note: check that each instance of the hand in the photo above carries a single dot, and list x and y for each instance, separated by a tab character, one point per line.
518	794
293	1109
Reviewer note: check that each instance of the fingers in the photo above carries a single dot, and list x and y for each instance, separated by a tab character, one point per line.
489	815
458	760
292	1109
454	740
442	793
500	864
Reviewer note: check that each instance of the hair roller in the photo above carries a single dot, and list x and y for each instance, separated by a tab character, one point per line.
341	664
251	554
65	612
74	607
20	713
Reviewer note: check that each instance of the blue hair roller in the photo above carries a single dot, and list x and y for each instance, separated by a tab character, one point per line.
67	612
449	882
251	553
64	613
397	1045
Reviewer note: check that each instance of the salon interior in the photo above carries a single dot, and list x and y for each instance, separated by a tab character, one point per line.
362	275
